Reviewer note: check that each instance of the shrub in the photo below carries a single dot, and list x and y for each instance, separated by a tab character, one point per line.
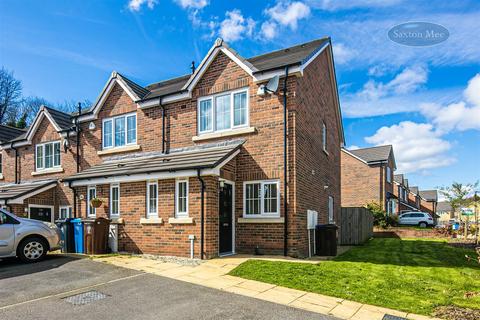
380	217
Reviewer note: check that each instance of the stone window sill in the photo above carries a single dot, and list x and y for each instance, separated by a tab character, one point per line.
261	220
181	220
151	221
119	150
214	135
47	171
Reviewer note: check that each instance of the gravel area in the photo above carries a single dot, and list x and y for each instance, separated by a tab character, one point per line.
171	259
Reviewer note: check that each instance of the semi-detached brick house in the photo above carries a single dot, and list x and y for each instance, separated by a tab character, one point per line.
367	176
199	156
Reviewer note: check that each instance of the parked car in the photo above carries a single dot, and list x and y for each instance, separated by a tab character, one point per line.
416	218
27	239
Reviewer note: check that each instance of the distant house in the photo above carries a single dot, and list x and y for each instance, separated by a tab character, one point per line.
367	176
444	212
429	201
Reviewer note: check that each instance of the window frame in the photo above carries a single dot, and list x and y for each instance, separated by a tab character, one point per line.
331	210
151	214
179	214
125	121
112	186
43	145
262	199
69	211
212	99
89	211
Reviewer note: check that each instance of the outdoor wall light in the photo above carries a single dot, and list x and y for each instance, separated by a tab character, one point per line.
222	184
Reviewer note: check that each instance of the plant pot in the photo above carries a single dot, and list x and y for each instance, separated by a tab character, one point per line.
96	203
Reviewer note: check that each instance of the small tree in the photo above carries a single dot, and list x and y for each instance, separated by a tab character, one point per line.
380	217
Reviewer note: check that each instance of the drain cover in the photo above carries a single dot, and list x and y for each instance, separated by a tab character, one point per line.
85	297
392	317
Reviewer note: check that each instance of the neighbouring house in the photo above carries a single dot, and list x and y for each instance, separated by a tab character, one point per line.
444	212
402	191
367	176
428	202
200	157
7	133
413	198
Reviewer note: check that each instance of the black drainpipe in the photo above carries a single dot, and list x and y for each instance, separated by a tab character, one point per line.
163	126
77	130
285	171
202	213
74	199
16	162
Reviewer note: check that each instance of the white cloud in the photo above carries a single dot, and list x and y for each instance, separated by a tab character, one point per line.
457	116
235	26
192	4
288	13
342	53
136	5
417	146
268	30
334	5
472	93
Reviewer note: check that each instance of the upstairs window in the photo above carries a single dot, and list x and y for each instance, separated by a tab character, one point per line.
47	155
389	175
119	131
261	198
223	111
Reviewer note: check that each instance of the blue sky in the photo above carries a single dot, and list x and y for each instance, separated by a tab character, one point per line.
425	101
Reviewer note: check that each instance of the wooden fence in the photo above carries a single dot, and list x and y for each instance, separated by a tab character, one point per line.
356	226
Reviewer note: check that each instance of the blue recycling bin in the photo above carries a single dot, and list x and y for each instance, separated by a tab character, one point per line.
78	234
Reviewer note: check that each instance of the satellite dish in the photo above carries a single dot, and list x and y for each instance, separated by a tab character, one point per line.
271	87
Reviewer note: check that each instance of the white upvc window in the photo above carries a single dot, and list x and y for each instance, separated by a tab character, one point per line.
152	199
261	199
47	155
65	212
223	111
115	200
119	131
181	198
324	136
91	194
389	175
331	216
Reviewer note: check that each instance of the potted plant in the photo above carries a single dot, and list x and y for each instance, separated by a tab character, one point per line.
96	202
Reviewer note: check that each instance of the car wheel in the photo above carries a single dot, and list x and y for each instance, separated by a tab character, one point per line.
422	224
32	250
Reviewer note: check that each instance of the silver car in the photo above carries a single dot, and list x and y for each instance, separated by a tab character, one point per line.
28	239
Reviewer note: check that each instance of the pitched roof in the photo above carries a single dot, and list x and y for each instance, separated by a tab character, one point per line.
62	119
8	133
431	195
444	206
140	91
288	56
268	61
373	154
12	191
198	157
414	190
398	178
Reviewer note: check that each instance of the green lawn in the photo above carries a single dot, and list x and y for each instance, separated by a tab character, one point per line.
411	275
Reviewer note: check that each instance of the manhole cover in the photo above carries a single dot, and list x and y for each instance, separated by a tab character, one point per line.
85	298
391	317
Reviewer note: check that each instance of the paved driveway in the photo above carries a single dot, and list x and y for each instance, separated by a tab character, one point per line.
37	291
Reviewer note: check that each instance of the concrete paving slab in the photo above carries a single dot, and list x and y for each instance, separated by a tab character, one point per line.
345	310
256	285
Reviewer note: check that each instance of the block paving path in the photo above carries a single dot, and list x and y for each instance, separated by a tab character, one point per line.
214	274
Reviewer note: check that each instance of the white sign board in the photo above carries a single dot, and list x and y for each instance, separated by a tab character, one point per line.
312	218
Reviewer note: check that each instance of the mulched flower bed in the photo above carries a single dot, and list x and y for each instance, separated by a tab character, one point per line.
457	313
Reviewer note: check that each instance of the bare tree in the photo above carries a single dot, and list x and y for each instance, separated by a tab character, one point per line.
10	93
28	110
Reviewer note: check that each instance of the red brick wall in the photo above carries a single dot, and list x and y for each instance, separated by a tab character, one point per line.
314	168
360	182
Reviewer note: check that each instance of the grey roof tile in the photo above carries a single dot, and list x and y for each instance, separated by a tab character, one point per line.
431	195
373	154
8	133
12	190
200	156
444	206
